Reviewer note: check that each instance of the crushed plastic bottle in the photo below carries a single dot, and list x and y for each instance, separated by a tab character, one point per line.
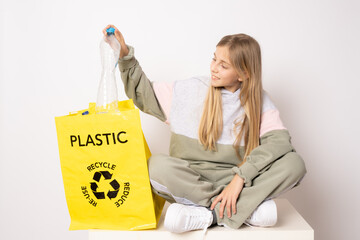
107	98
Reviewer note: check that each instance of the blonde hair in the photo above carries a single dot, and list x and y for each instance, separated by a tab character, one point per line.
245	57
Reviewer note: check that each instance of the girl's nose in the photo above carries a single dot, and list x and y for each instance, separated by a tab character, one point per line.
213	68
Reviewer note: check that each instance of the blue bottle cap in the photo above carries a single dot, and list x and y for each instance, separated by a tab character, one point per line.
110	31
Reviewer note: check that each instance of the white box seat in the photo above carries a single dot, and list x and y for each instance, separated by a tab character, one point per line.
290	226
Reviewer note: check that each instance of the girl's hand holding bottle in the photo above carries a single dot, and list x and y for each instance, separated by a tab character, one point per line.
123	50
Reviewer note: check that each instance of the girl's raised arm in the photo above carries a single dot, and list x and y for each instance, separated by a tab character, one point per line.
137	86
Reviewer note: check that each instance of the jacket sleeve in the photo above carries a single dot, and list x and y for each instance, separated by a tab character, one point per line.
273	145
138	87
275	142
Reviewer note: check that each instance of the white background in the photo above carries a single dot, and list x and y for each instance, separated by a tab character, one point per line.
50	65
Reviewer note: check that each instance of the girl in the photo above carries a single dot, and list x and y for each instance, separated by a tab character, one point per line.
229	151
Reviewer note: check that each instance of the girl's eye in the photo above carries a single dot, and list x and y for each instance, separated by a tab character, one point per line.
222	65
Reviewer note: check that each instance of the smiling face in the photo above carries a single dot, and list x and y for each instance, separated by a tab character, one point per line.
223	74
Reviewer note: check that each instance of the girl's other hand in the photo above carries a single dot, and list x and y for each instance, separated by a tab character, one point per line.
228	197
124	50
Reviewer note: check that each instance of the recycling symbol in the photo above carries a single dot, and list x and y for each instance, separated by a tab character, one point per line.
107	177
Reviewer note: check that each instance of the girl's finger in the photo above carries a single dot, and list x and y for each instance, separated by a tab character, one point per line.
228	209
216	200
108	26
214	204
234	206
222	208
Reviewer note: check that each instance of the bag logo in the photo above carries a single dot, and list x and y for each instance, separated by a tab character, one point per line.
104	187
107	176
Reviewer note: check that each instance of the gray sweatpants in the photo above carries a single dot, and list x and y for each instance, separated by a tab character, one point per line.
188	182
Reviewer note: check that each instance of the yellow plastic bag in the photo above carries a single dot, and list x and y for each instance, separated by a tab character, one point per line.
104	166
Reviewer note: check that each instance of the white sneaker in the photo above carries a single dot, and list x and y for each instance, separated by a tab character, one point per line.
182	218
265	215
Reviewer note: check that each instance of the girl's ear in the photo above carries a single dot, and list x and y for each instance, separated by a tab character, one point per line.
241	78
244	76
